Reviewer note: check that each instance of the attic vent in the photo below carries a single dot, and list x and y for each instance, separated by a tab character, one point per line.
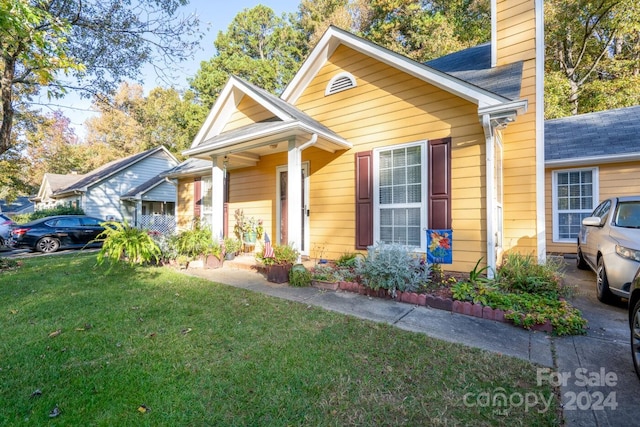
340	82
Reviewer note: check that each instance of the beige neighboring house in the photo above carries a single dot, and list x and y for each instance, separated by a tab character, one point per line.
52	183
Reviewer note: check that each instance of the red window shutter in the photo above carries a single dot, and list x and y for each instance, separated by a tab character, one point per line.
440	183
197	197
364	199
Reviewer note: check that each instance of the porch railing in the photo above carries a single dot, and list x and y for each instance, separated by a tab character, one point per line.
164	224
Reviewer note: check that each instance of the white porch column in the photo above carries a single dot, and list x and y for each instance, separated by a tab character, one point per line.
217	197
491	196
294	196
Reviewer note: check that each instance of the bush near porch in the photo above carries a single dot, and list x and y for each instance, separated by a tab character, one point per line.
530	294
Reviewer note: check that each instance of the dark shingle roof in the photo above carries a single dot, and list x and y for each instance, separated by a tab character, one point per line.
106	170
144	187
21	204
600	134
473	65
191	166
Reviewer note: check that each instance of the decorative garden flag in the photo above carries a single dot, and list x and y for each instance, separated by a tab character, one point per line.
439	246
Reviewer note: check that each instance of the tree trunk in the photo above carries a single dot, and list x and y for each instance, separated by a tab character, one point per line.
7	108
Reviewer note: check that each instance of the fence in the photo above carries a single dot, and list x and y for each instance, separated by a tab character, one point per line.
164	224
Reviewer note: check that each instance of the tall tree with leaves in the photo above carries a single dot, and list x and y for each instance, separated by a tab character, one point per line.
53	147
258	46
84	45
592	50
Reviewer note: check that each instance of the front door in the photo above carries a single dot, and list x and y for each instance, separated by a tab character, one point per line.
283	211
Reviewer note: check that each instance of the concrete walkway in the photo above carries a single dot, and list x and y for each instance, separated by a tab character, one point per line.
600	387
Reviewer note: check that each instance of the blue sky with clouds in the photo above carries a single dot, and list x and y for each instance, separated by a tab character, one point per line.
217	14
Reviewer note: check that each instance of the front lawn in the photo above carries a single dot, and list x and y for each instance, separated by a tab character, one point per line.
151	346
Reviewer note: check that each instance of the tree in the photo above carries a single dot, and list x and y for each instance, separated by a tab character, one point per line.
85	45
132	122
52	147
257	46
595	47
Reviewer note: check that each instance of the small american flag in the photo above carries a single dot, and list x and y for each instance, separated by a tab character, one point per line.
268	250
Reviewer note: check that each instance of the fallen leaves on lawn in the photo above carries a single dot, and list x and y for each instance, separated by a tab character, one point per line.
54	412
86	327
185	331
13	311
55	333
37	392
144	409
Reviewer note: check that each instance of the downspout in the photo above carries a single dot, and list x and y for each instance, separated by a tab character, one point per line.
490	196
309	143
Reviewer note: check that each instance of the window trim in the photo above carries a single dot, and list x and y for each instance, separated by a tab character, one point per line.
424	205
554	199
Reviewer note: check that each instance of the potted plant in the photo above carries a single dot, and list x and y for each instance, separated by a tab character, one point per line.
231	247
278	265
247	229
214	257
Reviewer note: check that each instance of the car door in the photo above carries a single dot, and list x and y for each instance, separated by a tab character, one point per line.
68	231
592	235
91	228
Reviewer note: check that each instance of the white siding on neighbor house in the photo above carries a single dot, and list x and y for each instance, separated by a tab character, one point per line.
165	192
103	199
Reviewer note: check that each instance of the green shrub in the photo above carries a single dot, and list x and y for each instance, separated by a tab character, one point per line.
349	259
522	273
123	243
392	267
232	245
58	210
193	243
299	276
282	255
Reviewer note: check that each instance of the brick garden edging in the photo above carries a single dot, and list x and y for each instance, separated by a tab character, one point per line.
447	304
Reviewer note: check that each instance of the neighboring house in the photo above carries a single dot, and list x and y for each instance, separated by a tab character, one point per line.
384	148
588	158
126	189
21	205
52	183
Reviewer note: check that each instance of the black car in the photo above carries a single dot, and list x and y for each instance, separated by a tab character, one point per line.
55	232
634	321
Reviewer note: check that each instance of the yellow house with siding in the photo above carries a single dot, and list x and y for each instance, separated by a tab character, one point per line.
385	148
589	158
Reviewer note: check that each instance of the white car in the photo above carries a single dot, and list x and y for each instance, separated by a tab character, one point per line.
609	244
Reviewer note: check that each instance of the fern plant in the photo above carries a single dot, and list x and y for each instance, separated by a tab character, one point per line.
123	243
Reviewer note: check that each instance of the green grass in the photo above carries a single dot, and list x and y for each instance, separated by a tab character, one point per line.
199	353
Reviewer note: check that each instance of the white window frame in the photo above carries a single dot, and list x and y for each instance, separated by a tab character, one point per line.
424	211
206	208
554	196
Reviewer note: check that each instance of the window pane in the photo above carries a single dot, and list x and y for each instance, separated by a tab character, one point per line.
574	193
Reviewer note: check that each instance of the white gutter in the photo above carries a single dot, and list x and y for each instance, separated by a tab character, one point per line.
490	196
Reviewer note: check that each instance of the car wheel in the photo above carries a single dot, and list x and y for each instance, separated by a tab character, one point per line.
602	284
635	337
581	264
48	244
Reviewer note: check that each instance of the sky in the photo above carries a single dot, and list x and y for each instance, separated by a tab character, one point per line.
216	15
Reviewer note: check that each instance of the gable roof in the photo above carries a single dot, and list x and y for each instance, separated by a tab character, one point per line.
137	192
474	66
447	81
288	120
107	170
600	137
190	167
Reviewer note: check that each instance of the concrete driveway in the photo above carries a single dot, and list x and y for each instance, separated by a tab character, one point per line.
600	384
